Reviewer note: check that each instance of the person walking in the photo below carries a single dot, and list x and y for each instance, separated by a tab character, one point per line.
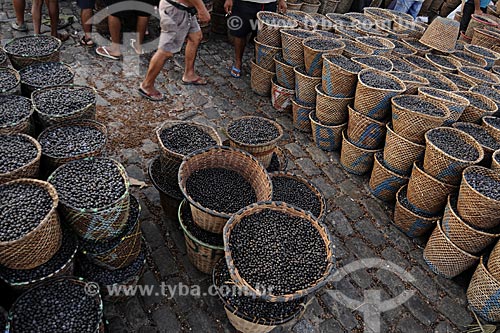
53	8
411	7
477	7
430	9
19	24
177	21
244	12
87	10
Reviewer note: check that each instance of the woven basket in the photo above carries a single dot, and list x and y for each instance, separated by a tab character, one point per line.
426	194
492	78
475	208
337	81
363	49
444	257
443	166
410	222
305	86
293	50
294	6
384	184
300	113
492	130
441	35
473	60
269	33
437	80
171	160
202	255
292	211
354	159
19	62
46	120
285	74
229	158
412	125
400	153
461	233
482	293
40	244
306	22
16	90
479	22
27	89
495	161
329	6
456	104
331	110
170	195
473	114
260	80
24	125
378	13
313	60
461	82
411	81
4	60
386	62
264	55
364	131
414	29
50	163
400	45
485	38
490	60
30	169
310	8
421	50
375	102
456	64
385	50
350	34
324	24
99	222
326	137
281	97
263	152
494	262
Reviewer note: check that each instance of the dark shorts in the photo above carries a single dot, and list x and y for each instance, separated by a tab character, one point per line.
243	19
85	4
133	11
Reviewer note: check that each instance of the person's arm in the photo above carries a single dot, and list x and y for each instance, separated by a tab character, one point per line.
477	7
281	6
203	14
228	6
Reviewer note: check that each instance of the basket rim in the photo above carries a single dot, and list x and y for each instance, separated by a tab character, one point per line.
286	32
454	61
282	62
325	57
424	91
462	78
317	224
346	140
55	201
37	92
401	206
155	184
315	120
481	62
173	122
340	47
275	83
16	74
448	241
257	43
311	107
487	149
59	42
122	172
400	82
420	79
356	60
253	63
493	76
380	123
420	169
412	25
394	101
486	32
389	45
452	87
380	154
319	91
281	17
491	173
399	54
188	233
272	142
496	155
90	122
457	132
68	67
206	151
32	110
305	75
467	48
485	120
391	130
38	147
407	40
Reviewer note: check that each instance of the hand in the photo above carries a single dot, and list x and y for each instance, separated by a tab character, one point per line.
281	6
478	12
228	6
204	15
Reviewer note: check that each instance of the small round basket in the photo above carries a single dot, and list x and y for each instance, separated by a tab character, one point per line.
483	77
313	60
337	80
418	47
485	38
293	50
326	137
292	211
30	169
228	158
456	104
385	48
479	107
300	114
269	26
437	80
264	55
364	131
482	293
479	21
303	19
20	61
477	209
413	28
384	183
468	59
401	49
331	110
495	161
400	153
354	159
25	123
444	63
28	89
305	86
40	244
285	74
410	222
378	62
378	13
445	258
490	56
411	81
443	166
16	89
492	126
294	6
310	8
354	48
260	80
494	262
461	82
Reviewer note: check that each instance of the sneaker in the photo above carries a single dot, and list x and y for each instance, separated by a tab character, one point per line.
19	27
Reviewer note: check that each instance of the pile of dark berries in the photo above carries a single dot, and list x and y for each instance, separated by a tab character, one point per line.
273	249
361	19
15	152
71	140
253	131
461	55
415	43
328	34
323	44
89	183
495	122
296	192
481	50
435	80
271	19
64	100
459	47
59	306
375	80
372	42
420	105
13	109
478	74
32	46
442	60
403	200
453	145
345	63
480	134
488	92
458	80
104	245
406	77
382	64
162	182
484	184
301	18
198	233
250	306
68	248
438	93
300	33
8	79
185	138
46	75
401	65
474	100
420	62
340	20
22	207
353	34
220	189
401	48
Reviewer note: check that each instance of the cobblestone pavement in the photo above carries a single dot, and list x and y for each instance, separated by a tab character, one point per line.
360	223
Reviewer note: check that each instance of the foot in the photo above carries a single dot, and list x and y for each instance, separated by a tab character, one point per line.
62	37
152	94
19	27
235	72
86	41
136	47
198	81
103	51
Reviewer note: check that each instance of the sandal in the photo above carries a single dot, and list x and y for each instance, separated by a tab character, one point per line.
151	97
132	45
196	82
103	52
84	41
19	27
235	72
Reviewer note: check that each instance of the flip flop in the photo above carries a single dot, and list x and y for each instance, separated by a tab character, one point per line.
86	42
151	97
235	72
19	27
197	82
105	53
132	45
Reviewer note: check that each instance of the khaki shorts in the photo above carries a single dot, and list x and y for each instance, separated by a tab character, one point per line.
175	25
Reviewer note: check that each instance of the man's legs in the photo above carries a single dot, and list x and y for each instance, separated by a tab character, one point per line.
19	7
86	15
142	24
115	26
53	6
239	48
155	66
448	7
36	14
466	16
193	41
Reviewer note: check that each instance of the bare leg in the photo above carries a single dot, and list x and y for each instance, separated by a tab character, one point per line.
115	27
19	7
155	66
53	6
193	41
36	13
86	15
239	49
142	24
